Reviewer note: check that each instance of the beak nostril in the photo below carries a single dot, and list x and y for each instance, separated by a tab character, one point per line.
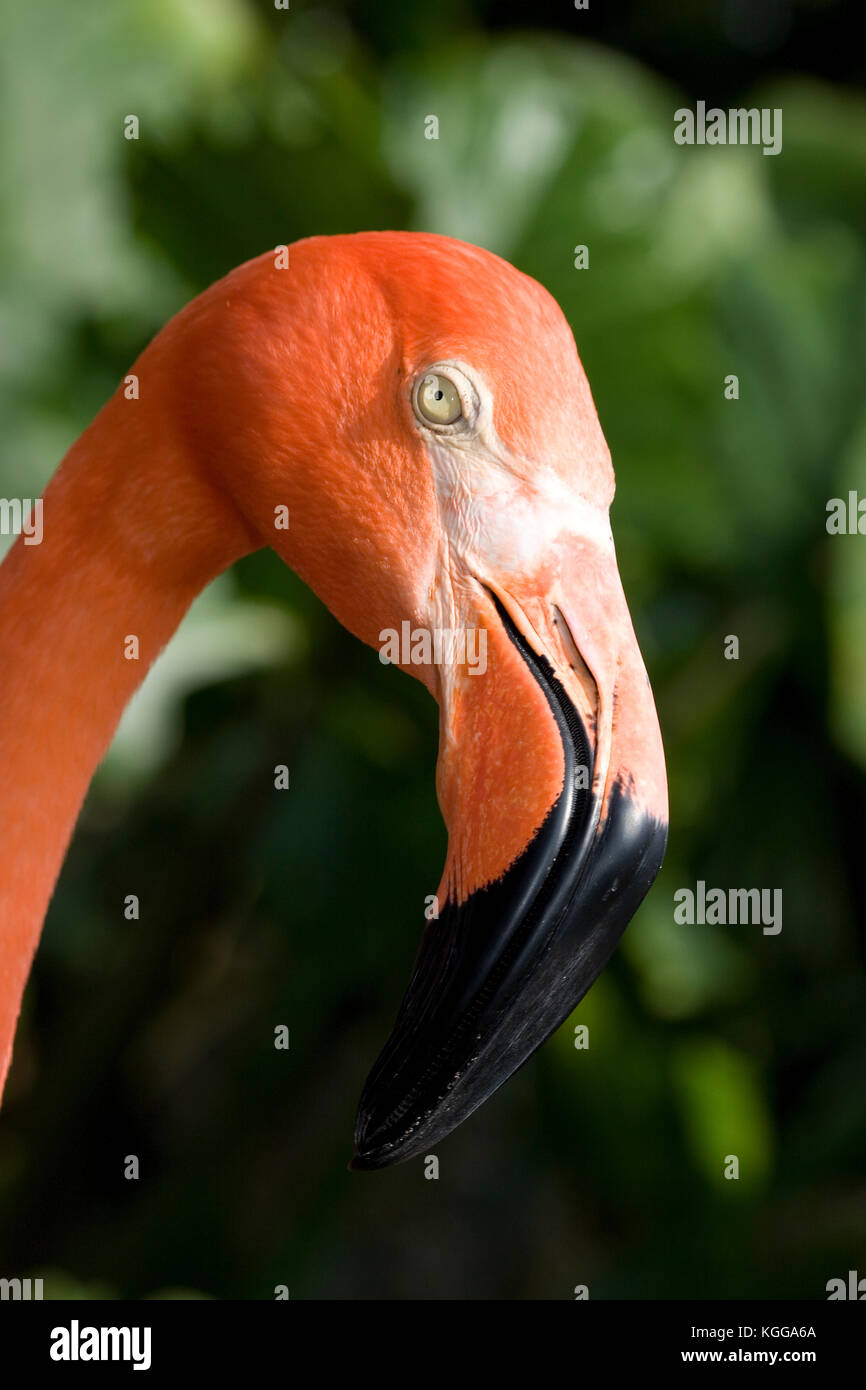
574	658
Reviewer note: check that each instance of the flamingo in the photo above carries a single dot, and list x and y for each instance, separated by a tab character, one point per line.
404	418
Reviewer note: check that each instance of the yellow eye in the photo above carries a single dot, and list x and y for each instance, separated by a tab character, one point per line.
438	399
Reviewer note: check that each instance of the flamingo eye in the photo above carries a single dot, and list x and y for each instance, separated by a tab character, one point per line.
437	399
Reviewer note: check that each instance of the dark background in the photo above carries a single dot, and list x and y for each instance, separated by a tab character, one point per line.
602	1167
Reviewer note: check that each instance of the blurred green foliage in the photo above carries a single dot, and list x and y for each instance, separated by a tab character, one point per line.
603	1166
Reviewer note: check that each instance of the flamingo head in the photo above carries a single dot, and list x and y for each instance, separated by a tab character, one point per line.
417	408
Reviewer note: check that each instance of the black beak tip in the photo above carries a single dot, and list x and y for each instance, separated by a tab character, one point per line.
375	1145
370	1158
364	1163
448	1054
362	1160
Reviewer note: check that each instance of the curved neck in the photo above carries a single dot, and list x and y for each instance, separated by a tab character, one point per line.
132	531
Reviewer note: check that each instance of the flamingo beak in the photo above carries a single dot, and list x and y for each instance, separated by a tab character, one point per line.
552	782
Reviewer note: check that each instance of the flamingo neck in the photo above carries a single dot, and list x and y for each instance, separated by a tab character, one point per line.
132	530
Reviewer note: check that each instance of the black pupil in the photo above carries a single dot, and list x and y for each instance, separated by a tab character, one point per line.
439	395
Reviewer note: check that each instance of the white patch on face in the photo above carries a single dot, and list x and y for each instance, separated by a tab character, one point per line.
500	516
